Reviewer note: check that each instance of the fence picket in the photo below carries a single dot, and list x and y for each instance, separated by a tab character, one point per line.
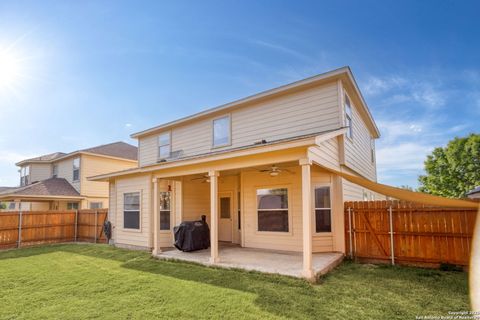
409	233
36	227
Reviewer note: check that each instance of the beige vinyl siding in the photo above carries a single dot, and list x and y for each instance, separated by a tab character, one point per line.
93	165
354	192
139	238
328	152
195	199
291	241
65	170
40	171
310	111
357	150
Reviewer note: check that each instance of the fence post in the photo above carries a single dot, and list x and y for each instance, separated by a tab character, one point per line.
19	242
392	249
76	224
353	231
96	223
350	231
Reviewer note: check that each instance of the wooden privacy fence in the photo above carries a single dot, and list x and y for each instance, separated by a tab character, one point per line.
408	233
18	229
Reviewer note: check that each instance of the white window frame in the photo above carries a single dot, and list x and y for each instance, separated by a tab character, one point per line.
139	212
73	203
24	176
348	116
229	142
164	210
55	170
96	202
289	208
73	169
169	144
325	233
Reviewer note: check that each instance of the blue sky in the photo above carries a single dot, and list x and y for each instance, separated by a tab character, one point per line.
92	72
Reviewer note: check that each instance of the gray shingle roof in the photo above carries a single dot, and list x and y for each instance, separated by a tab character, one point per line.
48	187
47	157
116	149
476	190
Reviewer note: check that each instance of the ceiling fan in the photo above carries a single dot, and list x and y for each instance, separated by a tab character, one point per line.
274	171
205	178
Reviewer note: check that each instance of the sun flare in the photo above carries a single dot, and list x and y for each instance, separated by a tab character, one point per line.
10	69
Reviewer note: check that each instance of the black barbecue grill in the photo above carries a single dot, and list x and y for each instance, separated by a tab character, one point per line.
192	235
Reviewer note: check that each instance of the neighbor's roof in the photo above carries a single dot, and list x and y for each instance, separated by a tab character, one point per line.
344	74
47	157
3	189
473	191
57	187
116	149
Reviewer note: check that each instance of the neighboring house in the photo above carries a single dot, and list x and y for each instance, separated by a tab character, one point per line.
258	168
58	181
474	193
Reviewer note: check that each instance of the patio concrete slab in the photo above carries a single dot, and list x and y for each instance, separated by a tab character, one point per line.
279	262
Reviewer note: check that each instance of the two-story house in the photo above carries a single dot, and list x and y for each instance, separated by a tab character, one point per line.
58	181
263	169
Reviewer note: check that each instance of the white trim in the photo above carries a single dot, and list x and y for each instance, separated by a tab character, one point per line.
289	209
350	117
140	198
158	211
314	225
169	132
229	143
73	169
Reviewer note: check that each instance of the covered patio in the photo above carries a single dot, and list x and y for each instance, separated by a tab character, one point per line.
269	261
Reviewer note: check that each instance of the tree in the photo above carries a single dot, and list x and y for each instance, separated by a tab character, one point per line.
453	170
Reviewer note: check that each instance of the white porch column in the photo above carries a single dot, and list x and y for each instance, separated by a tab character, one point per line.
213	216
307	218
156	218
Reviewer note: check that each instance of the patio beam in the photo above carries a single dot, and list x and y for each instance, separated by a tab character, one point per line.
307	218
213	216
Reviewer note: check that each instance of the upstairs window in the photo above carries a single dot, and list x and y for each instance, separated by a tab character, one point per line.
323	210
348	117
272	210
131	210
55	171
164	146
76	169
24	175
164	210
221	132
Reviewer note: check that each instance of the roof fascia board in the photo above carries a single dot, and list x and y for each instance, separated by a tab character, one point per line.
301	84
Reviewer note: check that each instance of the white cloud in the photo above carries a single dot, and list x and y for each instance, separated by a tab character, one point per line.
408	156
128	125
377	85
398	90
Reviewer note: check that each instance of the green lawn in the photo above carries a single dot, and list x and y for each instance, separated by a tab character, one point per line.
98	281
